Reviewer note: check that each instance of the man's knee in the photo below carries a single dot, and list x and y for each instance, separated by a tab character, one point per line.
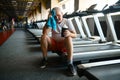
44	37
68	38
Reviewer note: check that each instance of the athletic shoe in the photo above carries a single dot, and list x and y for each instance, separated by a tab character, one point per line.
43	63
72	70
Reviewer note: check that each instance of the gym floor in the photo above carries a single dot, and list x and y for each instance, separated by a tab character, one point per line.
20	57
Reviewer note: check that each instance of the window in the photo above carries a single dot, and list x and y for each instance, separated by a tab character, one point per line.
48	4
76	5
63	6
39	7
60	0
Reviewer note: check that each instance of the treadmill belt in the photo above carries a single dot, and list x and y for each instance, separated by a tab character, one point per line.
107	72
95	48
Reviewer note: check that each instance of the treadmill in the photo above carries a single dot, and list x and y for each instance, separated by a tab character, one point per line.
37	32
82	16
87	53
82	39
103	70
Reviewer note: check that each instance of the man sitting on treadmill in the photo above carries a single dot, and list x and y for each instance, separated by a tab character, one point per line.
55	23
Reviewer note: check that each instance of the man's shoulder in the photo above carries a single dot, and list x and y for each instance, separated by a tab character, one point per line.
65	20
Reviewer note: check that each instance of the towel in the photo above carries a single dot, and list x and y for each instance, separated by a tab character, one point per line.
51	22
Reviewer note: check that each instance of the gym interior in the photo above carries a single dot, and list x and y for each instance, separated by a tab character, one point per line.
96	49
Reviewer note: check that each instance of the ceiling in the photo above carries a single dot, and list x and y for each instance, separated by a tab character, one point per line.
17	8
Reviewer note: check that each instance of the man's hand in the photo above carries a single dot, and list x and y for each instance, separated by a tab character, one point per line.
67	33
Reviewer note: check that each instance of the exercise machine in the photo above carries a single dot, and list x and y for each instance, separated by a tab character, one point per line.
85	53
103	70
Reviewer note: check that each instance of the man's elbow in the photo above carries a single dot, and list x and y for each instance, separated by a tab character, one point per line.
74	35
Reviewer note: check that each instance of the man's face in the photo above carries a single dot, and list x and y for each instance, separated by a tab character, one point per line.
59	16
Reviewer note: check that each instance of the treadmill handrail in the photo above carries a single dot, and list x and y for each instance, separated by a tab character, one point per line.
107	43
101	63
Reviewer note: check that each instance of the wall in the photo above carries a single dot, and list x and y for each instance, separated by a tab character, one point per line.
65	5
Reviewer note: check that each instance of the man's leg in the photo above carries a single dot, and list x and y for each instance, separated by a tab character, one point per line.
45	43
69	47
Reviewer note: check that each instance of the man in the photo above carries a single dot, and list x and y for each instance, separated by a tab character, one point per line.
57	42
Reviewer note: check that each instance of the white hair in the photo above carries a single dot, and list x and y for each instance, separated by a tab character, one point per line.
58	9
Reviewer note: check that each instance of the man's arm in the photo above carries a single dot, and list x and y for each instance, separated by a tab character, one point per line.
71	32
68	33
46	30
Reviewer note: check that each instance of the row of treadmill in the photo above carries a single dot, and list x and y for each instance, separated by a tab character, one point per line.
99	58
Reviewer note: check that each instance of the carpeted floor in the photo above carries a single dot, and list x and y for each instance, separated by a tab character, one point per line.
20	58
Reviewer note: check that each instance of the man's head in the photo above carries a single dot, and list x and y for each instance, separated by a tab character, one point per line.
59	14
